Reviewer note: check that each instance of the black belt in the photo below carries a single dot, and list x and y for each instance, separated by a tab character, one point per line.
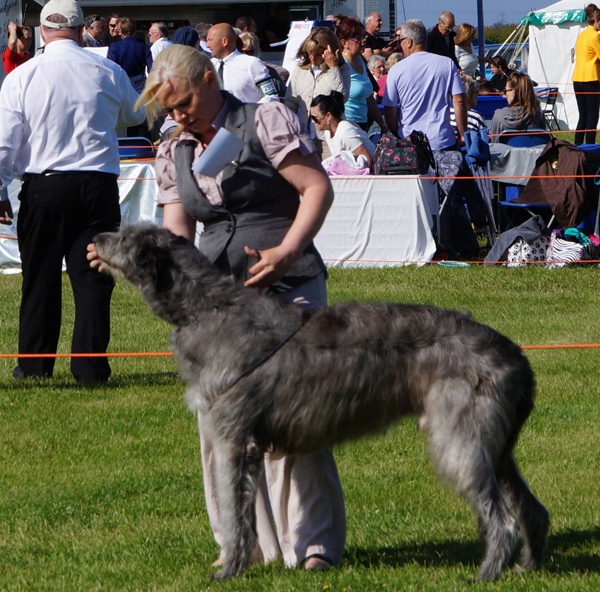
29	176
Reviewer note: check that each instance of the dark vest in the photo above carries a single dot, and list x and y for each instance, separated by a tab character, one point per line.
259	205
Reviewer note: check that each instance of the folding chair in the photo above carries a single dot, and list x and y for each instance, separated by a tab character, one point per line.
547	97
477	155
508	211
524	138
135	147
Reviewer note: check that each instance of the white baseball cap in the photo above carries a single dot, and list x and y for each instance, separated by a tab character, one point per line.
67	8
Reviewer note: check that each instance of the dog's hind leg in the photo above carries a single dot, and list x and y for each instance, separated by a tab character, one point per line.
531	514
462	447
238	473
499	528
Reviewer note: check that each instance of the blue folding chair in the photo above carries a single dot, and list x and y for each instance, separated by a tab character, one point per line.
525	138
508	210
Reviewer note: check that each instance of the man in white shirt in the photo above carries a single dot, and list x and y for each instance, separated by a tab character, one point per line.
60	136
158	35
244	76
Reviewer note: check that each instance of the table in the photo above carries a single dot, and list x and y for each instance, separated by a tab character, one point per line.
379	221
374	221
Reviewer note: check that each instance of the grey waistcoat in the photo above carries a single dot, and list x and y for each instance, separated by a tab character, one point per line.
259	205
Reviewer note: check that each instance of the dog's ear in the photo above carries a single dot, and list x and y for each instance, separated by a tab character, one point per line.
157	265
165	272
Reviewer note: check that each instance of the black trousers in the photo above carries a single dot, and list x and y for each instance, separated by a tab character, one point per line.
58	216
587	95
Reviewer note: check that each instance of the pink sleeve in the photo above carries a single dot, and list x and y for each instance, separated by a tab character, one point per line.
166	176
281	132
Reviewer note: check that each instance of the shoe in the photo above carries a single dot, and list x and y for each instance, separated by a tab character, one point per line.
317	562
19	373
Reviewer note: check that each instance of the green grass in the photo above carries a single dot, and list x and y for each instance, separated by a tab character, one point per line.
101	488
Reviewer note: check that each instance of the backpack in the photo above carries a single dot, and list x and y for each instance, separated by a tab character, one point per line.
402	156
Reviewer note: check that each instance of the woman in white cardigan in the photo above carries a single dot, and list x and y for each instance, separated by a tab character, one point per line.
321	69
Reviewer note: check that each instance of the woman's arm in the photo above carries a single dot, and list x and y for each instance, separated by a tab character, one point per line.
362	151
306	174
177	220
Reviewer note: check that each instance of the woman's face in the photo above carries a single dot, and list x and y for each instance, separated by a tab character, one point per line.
316	59
355	45
509	91
378	69
494	69
24	43
319	119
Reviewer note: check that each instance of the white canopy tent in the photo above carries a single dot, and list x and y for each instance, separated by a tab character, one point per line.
553	32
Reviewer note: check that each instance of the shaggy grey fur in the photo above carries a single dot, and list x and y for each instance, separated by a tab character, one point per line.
347	370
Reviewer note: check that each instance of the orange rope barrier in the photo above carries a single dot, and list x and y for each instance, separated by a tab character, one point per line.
170	354
478	262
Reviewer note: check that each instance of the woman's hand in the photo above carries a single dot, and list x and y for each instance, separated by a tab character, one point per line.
332	58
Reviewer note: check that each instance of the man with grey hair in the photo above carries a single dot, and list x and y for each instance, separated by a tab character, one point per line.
440	39
373	43
158	35
417	98
95	29
418	91
61	140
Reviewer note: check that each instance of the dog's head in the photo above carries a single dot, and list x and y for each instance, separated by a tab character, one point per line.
142	254
149	257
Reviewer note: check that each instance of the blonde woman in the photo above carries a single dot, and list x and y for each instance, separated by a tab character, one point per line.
586	77
463	46
268	247
523	109
320	70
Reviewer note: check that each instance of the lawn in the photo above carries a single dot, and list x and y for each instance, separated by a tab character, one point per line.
101	488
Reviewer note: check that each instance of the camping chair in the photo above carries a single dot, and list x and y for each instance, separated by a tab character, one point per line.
477	155
547	97
135	147
525	138
508	211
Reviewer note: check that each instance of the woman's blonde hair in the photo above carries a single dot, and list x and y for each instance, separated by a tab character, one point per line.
393	59
464	34
525	96
177	61
318	40
250	43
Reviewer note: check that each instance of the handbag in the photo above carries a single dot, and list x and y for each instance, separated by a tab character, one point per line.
402	156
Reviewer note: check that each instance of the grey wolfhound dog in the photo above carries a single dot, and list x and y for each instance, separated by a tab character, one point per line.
268	375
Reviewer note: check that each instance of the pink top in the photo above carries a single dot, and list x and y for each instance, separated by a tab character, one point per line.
279	130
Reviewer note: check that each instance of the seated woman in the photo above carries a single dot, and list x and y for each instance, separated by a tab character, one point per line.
523	109
500	72
327	112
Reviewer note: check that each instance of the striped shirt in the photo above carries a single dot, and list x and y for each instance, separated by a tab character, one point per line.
475	120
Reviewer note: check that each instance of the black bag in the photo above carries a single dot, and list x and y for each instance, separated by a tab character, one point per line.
402	156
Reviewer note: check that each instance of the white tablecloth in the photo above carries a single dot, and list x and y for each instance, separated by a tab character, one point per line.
379	221
374	221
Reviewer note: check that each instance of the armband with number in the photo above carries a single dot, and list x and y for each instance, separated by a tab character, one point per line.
267	88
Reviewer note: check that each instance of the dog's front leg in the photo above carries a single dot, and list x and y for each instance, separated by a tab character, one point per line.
237	483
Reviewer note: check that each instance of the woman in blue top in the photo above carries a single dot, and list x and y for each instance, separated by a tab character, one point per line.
361	101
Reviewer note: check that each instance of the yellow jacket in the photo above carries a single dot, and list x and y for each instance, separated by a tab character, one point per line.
587	56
